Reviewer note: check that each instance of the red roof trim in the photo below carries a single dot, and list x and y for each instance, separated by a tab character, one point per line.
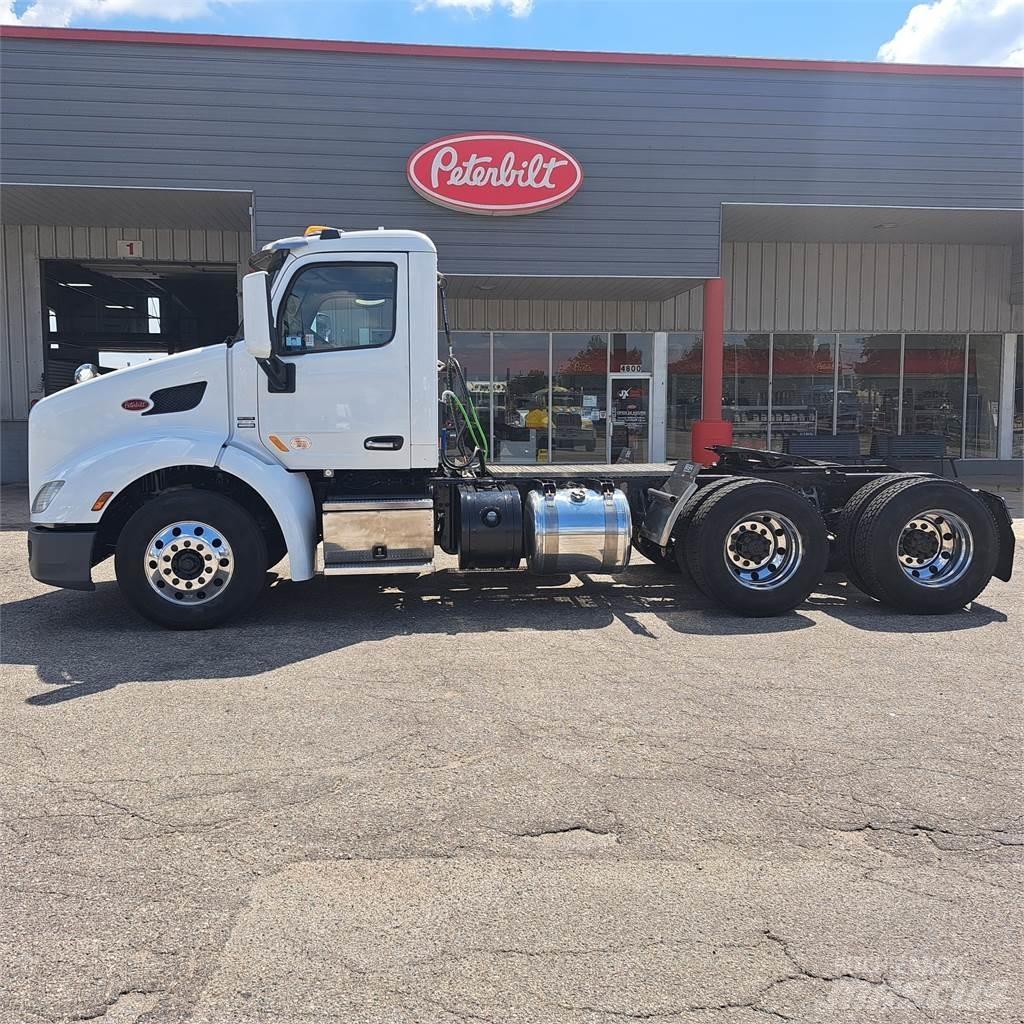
499	53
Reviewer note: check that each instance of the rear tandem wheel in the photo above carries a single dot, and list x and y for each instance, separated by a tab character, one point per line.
755	546
926	546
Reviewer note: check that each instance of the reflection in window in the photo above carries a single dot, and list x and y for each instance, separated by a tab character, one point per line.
984	365
632	353
685	373
745	387
153	313
869	387
802	386
521	389
933	387
579	396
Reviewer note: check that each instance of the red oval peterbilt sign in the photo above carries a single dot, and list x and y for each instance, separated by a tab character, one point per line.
494	174
135	404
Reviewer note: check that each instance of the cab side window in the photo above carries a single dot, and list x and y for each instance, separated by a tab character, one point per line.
336	306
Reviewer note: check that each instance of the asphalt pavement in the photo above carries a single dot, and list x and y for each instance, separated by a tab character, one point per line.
466	798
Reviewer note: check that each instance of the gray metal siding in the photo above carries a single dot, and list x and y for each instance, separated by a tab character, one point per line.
801	286
1017	276
21	308
323	137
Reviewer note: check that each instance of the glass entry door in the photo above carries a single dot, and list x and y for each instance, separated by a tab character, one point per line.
629	417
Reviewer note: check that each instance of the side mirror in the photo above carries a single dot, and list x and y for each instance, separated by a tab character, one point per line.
256	318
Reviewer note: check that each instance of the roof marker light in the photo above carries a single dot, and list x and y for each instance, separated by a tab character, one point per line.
323	231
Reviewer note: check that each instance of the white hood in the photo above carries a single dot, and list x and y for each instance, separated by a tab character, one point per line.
86	436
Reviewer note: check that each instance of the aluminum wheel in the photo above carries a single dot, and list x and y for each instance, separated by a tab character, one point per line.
189	563
763	550
935	548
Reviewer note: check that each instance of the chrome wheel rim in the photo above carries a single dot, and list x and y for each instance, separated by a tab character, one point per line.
763	550
189	563
935	548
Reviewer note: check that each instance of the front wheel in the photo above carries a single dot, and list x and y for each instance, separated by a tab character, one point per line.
191	559
756	547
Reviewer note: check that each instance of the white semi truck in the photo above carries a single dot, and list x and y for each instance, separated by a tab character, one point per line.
330	432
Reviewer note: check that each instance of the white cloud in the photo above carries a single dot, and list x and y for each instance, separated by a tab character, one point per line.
960	32
65	12
517	8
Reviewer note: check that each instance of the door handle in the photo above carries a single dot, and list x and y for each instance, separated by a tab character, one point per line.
384	443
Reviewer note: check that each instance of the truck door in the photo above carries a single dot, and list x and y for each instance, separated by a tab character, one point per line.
343	321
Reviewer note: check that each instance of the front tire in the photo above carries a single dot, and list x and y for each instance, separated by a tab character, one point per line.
926	546
191	559
757	547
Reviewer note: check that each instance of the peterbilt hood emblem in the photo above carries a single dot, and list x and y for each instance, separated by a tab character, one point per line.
136	404
494	174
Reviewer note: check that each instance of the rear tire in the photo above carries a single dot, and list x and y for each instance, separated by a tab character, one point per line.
757	547
926	546
846	527
682	527
191	559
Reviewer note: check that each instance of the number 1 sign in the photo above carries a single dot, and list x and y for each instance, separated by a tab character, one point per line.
129	248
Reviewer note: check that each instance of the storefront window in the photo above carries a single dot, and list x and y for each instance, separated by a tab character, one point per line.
802	386
685	373
632	353
745	388
579	396
984	363
933	387
869	386
1018	400
521	392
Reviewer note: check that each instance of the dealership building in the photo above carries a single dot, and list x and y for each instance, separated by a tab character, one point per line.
643	253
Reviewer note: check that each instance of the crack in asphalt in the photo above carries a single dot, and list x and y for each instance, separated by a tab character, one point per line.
102	1009
914	828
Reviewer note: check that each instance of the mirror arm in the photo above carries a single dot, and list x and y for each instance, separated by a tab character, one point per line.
280	375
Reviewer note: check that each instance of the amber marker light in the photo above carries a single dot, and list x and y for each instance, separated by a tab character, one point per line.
278	443
101	501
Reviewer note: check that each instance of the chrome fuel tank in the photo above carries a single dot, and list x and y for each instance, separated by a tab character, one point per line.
577	529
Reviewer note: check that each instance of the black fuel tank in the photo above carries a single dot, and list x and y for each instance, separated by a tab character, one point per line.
490	525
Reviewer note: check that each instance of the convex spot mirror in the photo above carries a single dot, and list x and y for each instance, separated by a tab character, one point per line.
256	318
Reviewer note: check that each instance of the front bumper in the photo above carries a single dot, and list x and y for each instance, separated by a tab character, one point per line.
62	557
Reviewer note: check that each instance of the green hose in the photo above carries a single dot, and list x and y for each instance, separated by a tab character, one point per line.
472	422
479	430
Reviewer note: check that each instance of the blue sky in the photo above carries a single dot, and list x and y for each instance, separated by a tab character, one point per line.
943	31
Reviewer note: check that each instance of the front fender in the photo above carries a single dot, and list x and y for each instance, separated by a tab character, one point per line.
114	468
290	499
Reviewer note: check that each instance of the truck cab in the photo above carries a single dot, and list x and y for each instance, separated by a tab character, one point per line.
314	435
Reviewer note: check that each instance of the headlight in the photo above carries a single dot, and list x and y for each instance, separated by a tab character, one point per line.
86	372
45	495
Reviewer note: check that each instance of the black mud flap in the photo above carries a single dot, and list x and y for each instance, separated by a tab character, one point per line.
1004	525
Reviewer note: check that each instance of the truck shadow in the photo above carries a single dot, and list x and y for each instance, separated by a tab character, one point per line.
84	644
